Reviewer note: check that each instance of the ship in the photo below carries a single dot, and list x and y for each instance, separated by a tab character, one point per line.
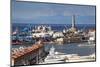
22	37
42	32
59	57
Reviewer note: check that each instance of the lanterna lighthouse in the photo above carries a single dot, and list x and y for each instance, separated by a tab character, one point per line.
73	21
73	28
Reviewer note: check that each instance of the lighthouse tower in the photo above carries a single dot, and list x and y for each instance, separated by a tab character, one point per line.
73	28
73	21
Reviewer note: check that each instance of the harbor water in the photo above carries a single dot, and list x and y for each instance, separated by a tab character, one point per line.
73	48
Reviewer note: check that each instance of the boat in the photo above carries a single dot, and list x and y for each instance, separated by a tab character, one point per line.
42	31
22	37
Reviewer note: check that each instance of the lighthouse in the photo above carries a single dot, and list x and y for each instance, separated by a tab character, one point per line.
73	28
73	21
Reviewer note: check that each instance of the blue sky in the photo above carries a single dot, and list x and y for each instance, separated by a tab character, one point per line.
44	13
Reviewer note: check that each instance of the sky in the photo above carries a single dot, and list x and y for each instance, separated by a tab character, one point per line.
50	13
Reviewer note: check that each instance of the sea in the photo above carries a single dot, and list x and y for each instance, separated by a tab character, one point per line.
57	27
72	48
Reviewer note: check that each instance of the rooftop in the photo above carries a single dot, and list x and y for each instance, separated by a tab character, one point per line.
24	51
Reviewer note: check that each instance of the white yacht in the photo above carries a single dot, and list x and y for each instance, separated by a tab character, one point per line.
57	57
52	57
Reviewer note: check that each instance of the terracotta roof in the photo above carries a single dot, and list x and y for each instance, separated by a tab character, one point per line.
26	50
